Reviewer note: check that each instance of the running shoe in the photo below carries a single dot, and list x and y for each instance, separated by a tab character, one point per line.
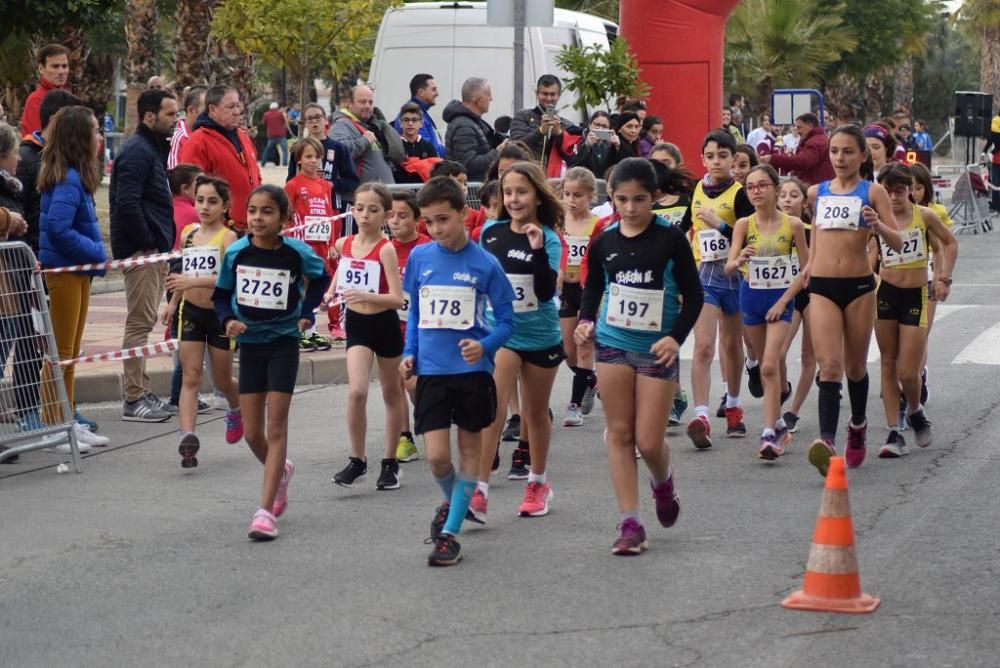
921	428
754	382
512	429
520	460
631	539
263	526
144	409
406	449
787	393
234	426
188	448
281	498
734	423
782	436
350	474
446	552
478	507
819	455
536	500
769	449
721	410
163	405
677	408
791	421
388	478
857	442
440	517
574	416
699	430
306	345
668	506
320	341
337	333
924	394
587	403
64	448
87	437
86	422
894	447
205	407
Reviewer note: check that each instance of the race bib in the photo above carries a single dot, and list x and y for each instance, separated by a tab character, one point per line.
200	261
577	246
262	288
358	275
318	229
914	249
712	246
404	310
447	307
524	292
838	213
795	263
766	273
638	309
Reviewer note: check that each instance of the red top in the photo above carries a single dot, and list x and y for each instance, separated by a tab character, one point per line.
184	215
215	154
403	251
373	255
309	196
274	122
31	117
598	228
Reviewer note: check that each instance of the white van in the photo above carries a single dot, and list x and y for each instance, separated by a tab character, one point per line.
452	42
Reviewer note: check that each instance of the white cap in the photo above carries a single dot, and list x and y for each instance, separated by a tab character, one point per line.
274	105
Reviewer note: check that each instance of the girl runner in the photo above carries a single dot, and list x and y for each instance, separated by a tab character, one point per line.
848	212
642	276
881	146
204	245
762	251
901	327
368	283
265	295
745	159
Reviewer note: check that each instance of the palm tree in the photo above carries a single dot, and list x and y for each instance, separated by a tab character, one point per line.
194	24
981	20
141	17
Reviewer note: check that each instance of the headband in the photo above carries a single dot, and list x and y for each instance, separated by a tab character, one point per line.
878	132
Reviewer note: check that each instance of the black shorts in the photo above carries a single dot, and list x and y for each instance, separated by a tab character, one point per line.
468	400
906	305
802	301
547	358
201	325
569	300
379	332
269	367
841	291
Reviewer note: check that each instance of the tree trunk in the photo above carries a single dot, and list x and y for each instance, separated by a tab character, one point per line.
989	62
229	66
902	86
140	63
194	24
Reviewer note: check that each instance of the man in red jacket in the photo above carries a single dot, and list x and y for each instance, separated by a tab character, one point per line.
222	148
811	160
53	73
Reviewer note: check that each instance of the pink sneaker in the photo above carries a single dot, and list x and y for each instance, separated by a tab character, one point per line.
281	498
857	440
699	430
631	539
536	500
668	506
337	333
234	426
263	526
477	509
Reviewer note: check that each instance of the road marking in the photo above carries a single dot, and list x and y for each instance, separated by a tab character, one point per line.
984	349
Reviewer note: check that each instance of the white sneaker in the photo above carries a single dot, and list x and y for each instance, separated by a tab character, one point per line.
574	418
63	448
220	403
86	437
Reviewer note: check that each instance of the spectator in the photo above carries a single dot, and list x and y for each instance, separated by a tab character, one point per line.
811	160
541	128
155	83
737	103
67	179
337	165
420	153
53	74
373	143
906	138
142	223
790	140
424	94
728	126
276	127
629	127
599	150
922	137
293	120
194	104
470	140
762	137
222	148
650	135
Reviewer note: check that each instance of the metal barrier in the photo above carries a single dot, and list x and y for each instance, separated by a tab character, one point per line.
33	404
970	209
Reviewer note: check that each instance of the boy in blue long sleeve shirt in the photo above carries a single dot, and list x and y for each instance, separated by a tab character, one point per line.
450	348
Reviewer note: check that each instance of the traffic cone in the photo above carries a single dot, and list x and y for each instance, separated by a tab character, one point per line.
832	582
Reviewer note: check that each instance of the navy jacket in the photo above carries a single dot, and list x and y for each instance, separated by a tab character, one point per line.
142	208
69	230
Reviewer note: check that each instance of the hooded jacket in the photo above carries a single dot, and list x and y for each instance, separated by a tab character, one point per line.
373	161
469	139
142	210
31	117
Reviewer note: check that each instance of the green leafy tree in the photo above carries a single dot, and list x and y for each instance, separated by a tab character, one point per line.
951	62
598	76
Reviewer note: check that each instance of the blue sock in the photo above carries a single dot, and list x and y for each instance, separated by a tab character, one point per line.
446	484
461	497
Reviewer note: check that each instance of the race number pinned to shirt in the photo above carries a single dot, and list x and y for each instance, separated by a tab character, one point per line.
358	275
318	229
639	309
712	246
200	261
260	287
404	310
795	264
914	249
766	273
525	299
838	213
447	307
576	247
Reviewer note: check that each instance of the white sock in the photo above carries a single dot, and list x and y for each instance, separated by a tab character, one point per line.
751	363
541	478
484	487
701	411
733	402
768	433
725	388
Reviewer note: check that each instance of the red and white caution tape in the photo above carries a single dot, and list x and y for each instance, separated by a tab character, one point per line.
140	351
116	264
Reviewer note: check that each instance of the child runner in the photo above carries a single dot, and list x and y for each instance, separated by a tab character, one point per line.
762	251
901	326
450	349
403	225
848	212
204	245
745	159
642	276
311	197
368	283
525	242
267	289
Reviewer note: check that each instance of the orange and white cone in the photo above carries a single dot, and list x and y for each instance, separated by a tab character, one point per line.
832	582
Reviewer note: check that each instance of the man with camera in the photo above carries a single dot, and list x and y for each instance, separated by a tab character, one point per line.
541	127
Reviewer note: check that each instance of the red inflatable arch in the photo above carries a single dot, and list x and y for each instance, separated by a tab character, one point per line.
680	46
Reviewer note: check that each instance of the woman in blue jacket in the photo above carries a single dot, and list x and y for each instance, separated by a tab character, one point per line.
67	179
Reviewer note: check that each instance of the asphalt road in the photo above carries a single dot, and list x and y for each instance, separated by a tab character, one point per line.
138	562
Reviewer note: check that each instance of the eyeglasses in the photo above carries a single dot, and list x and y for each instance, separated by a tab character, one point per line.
315	117
411	119
758	187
